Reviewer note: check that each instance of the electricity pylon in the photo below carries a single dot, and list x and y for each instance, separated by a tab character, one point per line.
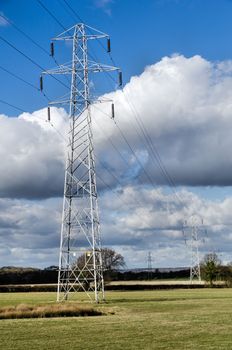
149	261
149	265
80	260
195	271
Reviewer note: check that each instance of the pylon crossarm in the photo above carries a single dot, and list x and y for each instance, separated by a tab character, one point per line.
93	67
62	69
99	67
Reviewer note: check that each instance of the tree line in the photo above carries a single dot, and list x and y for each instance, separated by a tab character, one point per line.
212	270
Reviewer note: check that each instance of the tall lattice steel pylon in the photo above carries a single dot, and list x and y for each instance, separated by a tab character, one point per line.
80	260
195	271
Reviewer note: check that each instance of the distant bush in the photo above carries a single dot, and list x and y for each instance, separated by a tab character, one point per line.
20	275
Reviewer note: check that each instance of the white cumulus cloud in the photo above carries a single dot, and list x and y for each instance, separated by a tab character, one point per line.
185	108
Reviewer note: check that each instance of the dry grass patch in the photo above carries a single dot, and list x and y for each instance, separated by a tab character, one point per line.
40	311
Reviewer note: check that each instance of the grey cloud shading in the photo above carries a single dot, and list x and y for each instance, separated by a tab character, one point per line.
185	106
35	235
32	157
132	229
156	225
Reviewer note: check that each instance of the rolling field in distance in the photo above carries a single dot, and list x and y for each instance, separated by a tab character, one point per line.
168	319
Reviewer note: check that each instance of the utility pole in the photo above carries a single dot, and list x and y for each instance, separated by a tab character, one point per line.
80	260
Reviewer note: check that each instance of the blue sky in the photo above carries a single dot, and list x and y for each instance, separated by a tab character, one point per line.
142	33
175	56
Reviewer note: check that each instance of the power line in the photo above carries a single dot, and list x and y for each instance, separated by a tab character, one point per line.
103	165
19	78
21	53
24	81
75	13
109	139
116	178
138	161
9	104
153	149
113	145
50	13
149	142
68	11
24	34
100	178
99	161
139	203
30	39
109	171
31	60
131	149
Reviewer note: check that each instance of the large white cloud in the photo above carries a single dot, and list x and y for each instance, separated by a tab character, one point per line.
185	107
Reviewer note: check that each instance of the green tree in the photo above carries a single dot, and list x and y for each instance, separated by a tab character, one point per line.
210	267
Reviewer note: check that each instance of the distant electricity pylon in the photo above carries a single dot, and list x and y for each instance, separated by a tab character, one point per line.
80	260
194	224
149	261
149	264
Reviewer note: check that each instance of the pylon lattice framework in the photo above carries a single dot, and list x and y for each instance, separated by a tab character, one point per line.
195	271
80	261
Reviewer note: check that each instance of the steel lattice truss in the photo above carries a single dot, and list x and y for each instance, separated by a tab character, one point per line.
80	263
195	271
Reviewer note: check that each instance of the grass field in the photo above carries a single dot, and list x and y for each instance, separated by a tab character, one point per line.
170	319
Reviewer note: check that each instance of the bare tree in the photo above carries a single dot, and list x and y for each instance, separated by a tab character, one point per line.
111	260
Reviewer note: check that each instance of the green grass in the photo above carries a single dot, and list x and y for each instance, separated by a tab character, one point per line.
170	319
